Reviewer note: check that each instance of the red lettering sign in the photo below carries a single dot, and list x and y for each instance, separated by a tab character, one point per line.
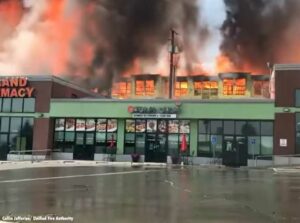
15	87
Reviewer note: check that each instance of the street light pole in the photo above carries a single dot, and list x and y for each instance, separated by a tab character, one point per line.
172	73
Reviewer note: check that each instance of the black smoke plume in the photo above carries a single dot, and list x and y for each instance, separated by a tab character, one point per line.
259	31
123	30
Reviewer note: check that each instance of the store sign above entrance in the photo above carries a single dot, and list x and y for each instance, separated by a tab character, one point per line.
15	87
153	112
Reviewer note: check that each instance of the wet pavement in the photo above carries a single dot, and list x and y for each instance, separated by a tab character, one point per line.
115	194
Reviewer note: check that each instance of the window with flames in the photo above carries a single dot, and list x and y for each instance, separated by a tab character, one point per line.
121	90
234	86
206	88
181	88
144	88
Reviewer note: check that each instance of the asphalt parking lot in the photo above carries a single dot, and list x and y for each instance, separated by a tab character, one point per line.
148	194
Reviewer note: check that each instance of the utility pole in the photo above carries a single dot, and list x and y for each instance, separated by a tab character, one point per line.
172	67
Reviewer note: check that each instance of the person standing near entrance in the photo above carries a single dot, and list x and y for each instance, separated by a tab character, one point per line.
183	147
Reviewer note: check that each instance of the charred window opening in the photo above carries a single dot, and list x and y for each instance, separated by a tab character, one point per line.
121	90
181	88
206	88
261	88
144	87
234	86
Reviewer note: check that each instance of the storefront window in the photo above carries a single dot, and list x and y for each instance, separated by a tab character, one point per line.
173	144
6	105
15	125
100	142
204	145
216	142
216	127
184	126
69	141
240	128
59	141
18	131
80	125
169	134
140	143
258	135
228	127
173	126
297	133
17	105
90	125
162	126
266	128
266	145
129	143
4	124
151	126
140	125
254	146
253	128
70	124
79	138
29	104
100	133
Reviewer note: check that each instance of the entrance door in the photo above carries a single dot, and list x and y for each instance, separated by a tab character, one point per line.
156	148
235	151
84	147
3	146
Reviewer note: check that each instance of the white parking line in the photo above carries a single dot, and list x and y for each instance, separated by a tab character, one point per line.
76	176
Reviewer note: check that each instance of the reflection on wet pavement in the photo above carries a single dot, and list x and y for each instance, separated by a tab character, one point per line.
154	195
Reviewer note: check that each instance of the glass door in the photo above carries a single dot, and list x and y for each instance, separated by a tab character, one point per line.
229	151
151	147
241	146
234	151
162	148
3	146
84	147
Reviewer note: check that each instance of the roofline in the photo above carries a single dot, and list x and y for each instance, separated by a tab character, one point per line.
58	80
86	100
286	67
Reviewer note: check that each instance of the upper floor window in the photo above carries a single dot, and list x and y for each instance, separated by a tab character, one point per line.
181	88
17	105
234	86
261	88
144	87
206	88
121	89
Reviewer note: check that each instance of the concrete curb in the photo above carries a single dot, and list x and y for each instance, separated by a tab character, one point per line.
287	170
10	165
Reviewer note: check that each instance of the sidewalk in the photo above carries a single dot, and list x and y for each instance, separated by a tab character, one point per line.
9	165
295	169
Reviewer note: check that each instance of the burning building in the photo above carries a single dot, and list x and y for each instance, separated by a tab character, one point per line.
122	48
224	85
235	119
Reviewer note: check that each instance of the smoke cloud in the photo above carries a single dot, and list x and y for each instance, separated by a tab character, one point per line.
95	41
259	31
